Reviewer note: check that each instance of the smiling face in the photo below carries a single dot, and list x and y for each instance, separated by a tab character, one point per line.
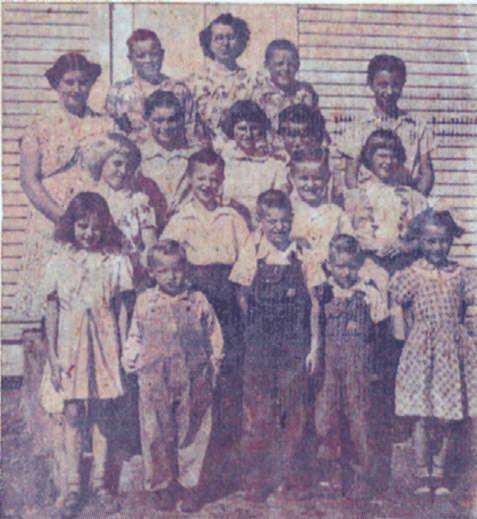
246	135
146	58
116	170
73	89
387	88
276	225
310	180
384	164
283	66
224	43
169	272
206	182
344	268
435	244
87	232
167	126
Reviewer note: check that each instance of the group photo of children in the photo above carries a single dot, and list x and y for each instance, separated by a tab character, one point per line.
243	298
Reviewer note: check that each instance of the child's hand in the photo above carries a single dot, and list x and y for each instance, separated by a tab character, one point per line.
131	364
311	363
215	373
56	377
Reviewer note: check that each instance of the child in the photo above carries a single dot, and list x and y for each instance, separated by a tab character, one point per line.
437	374
115	162
249	168
212	235
346	308
280	88
125	100
381	208
275	305
85	325
386	79
175	345
167	150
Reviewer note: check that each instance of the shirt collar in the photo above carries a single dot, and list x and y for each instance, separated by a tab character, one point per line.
423	265
215	69
151	149
264	248
233	152
159	295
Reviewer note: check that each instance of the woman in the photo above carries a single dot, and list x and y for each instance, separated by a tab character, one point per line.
222	81
50	170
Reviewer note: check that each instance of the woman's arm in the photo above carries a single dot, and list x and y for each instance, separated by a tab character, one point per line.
30	178
425	180
51	328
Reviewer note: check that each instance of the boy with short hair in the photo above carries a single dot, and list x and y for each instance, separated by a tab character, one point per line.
175	345
275	307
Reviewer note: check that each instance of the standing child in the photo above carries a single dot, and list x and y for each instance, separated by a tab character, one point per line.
346	309
85	325
175	345
437	375
275	305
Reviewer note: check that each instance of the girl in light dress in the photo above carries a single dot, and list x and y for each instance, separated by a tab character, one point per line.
86	316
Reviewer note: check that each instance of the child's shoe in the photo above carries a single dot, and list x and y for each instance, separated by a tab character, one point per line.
255	495
422	477
191	502
106	501
165	500
71	505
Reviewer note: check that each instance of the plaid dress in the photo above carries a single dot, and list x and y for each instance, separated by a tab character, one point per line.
437	374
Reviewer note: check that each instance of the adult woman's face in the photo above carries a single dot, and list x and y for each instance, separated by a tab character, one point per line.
73	89
224	43
283	67
146	58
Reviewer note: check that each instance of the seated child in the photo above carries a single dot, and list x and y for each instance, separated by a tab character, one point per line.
175	345
249	168
437	374
167	150
212	235
380	209
275	308
386	79
346	308
280	89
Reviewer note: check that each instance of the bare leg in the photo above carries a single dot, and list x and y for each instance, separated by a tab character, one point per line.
100	453
74	414
440	457
421	448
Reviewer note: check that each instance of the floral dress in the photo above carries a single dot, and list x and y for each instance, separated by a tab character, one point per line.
437	374
59	136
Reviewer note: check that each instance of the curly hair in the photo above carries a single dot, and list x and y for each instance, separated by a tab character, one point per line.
162	98
166	248
273	199
244	111
379	139
239	26
82	206
69	62
142	35
432	217
281	45
386	62
205	156
303	114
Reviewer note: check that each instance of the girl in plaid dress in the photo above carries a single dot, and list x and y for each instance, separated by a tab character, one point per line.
437	375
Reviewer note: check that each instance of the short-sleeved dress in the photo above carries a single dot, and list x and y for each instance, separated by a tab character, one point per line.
88	346
437	374
59	136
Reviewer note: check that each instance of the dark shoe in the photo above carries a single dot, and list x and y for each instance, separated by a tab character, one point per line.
190	503
106	501
165	500
71	505
255	495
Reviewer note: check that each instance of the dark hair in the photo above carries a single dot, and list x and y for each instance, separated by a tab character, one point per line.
142	35
244	111
303	114
205	156
273	199
281	45
379	139
69	62
162	98
81	206
239	26
432	217
344	243
386	62
167	248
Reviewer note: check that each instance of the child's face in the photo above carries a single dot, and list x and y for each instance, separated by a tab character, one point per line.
297	137
73	90
87	232
384	163
169	272
246	135
310	180
146	58
276	225
116	171
435	243
224	43
344	268
387	87
283	67
206	182
167	126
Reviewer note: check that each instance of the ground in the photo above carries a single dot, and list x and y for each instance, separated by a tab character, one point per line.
25	491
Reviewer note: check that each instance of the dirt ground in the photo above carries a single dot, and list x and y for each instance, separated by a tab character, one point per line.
26	493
